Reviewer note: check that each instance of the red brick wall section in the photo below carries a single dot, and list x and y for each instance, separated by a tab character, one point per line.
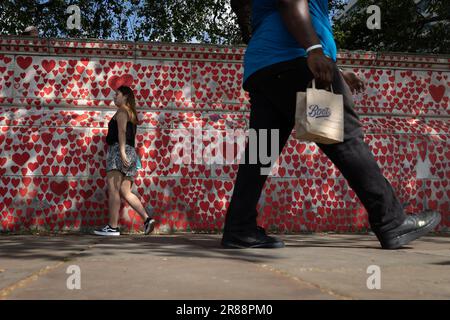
56	101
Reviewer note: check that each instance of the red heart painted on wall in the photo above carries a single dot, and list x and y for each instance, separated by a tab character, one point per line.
59	187
48	65
20	159
437	92
116	81
24	62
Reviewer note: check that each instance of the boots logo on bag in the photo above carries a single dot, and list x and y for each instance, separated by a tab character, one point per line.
316	111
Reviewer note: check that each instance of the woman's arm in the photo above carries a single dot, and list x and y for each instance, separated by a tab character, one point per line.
122	119
355	82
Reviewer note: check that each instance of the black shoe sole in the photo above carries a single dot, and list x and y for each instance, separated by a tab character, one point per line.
234	245
404	239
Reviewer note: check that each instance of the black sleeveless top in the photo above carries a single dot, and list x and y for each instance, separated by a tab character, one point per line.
113	132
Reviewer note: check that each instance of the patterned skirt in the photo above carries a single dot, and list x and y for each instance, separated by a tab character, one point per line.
114	161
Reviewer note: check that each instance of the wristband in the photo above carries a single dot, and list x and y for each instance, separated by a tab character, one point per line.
313	47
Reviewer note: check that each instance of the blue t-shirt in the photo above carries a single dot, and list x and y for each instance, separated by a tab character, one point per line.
271	42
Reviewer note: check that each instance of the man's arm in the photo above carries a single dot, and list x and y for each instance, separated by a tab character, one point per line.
295	15
242	9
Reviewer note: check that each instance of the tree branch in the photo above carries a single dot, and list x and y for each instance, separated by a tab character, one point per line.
434	19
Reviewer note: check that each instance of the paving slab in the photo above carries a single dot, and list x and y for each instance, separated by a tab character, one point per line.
194	266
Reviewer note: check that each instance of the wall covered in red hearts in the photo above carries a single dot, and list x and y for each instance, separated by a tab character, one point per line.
56	101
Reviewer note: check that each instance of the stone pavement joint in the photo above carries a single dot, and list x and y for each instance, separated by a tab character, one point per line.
324	290
4	293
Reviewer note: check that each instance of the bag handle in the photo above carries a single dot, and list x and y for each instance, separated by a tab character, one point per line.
314	85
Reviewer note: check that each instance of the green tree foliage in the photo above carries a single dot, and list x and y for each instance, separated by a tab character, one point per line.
208	21
99	19
406	26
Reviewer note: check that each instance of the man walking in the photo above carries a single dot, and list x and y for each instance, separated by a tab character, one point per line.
291	44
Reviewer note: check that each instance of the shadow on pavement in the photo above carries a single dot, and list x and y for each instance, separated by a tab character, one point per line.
66	247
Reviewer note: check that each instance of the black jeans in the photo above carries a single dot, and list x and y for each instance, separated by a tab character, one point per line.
273	98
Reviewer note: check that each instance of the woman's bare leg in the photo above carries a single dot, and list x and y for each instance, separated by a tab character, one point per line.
132	199
114	179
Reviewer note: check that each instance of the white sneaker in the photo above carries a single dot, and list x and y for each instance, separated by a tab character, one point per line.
149	225
107	231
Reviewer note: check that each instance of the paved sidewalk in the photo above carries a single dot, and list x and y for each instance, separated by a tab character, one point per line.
194	266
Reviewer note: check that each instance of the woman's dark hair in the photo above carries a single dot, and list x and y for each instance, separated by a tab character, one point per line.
131	102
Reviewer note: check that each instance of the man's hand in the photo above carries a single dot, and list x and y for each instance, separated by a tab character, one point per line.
321	67
355	83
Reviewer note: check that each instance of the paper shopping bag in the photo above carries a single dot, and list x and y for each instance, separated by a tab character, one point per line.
319	116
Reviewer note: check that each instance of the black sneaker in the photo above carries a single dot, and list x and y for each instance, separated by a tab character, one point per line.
414	227
149	225
252	239
107	231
